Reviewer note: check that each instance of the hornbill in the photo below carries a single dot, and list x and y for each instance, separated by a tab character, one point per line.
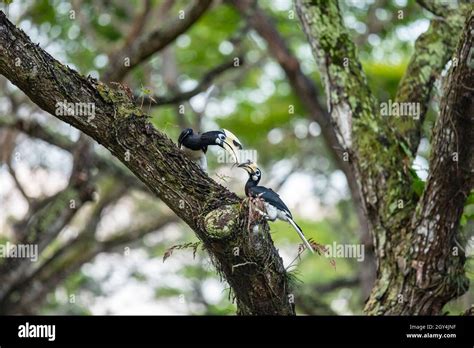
274	206
195	144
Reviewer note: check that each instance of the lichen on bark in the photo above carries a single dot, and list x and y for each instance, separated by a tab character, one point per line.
221	222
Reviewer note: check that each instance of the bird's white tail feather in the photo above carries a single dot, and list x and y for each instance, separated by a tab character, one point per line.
300	233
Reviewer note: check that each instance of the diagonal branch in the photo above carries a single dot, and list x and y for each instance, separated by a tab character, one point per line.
202	86
142	48
432	51
303	86
439	8
139	23
431	265
212	211
451	177
18	184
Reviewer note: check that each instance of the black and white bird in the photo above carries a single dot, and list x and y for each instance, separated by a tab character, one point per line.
195	145
275	208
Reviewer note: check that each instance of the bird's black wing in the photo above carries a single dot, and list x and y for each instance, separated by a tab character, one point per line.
271	197
184	134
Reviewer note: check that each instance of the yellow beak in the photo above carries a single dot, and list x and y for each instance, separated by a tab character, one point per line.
232	144
249	166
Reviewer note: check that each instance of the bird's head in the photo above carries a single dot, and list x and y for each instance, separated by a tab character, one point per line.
251	168
227	140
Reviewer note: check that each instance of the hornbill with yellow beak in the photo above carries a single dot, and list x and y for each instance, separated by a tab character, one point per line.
195	145
274	206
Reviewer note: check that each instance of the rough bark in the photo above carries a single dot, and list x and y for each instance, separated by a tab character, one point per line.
250	263
433	50
406	282
431	268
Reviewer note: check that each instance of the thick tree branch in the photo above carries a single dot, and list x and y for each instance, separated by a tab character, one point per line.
213	212
381	163
131	55
433	49
431	265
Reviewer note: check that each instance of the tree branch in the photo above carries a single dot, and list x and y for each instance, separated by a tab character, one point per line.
439	8
18	184
103	163
144	47
433	49
382	166
69	259
202	86
431	265
47	220
118	124
138	23
450	181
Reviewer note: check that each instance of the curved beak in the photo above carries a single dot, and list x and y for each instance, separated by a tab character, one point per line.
232	145
249	167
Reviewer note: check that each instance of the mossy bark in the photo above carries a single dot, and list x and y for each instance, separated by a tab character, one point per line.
381	161
126	132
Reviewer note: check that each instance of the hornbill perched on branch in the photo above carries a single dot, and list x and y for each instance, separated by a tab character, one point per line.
195	144
274	206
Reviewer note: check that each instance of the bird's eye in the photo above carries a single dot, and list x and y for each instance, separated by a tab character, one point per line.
222	136
257	172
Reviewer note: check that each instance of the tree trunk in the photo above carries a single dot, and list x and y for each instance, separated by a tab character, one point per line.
249	262
420	268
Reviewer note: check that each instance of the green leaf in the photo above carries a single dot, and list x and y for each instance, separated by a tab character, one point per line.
470	198
463	221
417	184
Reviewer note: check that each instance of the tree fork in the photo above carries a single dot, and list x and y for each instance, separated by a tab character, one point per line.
121	127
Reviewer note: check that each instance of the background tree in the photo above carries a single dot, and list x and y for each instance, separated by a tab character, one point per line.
254	75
